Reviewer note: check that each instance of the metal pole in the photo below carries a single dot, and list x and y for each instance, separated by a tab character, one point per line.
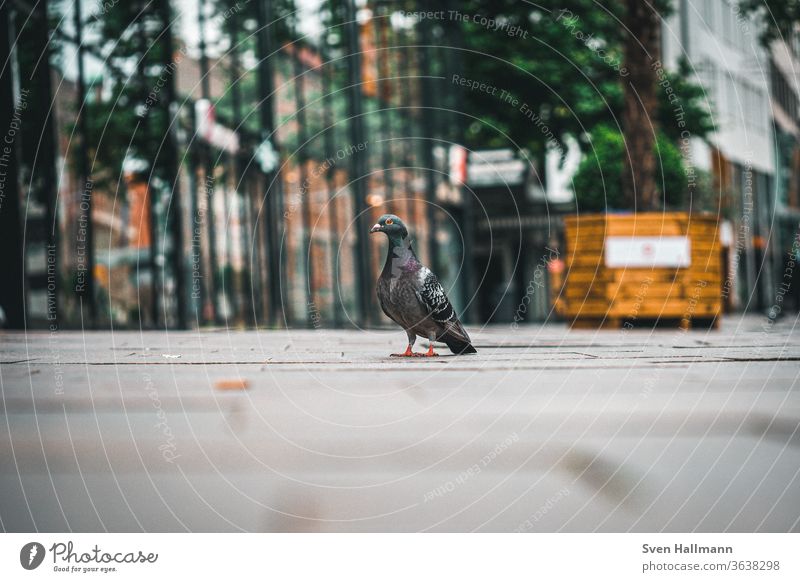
209	183
384	99
33	112
12	294
175	212
456	38
429	131
358	170
152	224
86	192
409	118
327	73
238	169
205	81
267	118
196	254
305	194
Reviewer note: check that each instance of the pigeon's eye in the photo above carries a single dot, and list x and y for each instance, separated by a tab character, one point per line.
389	221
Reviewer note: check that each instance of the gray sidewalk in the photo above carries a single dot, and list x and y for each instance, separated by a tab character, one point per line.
544	430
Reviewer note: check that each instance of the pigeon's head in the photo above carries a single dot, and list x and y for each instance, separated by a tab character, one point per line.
391	225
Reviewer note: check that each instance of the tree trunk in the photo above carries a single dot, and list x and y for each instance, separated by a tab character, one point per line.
639	117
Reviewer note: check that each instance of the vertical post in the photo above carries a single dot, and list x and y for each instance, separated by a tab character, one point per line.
305	194
31	117
175	211
209	185
144	132
384	98
429	129
327	73
267	118
86	192
205	81
358	166
199	295
409	118
456	42
12	295
240	191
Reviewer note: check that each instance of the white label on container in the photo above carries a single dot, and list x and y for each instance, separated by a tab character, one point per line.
648	251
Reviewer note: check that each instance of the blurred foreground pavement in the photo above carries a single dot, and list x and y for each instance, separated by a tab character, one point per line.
545	429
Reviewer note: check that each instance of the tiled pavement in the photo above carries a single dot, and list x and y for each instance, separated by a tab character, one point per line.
545	429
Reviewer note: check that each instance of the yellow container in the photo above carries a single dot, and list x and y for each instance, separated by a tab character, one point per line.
624	268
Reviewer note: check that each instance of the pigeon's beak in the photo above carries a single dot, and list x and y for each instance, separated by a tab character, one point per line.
375	228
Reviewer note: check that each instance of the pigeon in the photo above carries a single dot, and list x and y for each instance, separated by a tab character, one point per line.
411	295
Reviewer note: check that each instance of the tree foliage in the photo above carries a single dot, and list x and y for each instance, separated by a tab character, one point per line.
778	18
598	182
130	120
565	63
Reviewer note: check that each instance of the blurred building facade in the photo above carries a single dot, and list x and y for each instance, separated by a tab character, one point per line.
270	150
785	105
752	153
230	250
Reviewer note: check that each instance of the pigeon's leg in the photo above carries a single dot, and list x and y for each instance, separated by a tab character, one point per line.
430	353
409	353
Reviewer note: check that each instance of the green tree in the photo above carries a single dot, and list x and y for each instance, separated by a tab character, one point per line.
131	119
598	182
564	61
552	67
779	18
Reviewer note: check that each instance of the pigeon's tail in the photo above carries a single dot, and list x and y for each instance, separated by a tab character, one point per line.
460	347
458	341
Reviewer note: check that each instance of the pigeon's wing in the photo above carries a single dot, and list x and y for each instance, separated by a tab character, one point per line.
432	295
439	308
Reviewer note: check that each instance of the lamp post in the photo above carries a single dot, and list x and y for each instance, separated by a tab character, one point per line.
358	166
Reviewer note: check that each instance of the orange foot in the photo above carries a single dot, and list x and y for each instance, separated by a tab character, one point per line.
430	353
410	354
407	354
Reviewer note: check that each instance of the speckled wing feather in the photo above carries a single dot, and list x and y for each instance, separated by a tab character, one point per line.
440	310
436	302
